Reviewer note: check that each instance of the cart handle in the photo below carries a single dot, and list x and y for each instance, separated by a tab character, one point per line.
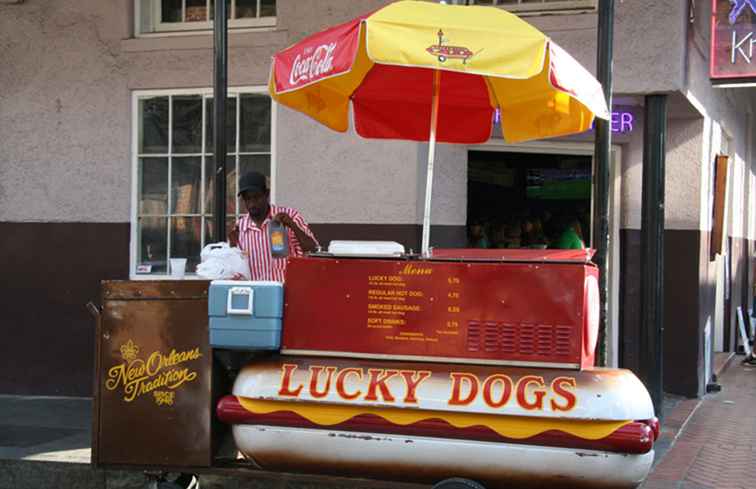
94	310
240	291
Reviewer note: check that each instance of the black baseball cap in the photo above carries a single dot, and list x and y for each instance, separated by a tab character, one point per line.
252	182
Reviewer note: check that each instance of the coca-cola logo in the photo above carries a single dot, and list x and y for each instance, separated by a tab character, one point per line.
312	63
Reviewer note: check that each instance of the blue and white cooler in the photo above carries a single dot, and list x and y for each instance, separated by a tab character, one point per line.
245	315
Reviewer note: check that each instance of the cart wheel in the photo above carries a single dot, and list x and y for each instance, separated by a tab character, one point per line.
442	58
458	483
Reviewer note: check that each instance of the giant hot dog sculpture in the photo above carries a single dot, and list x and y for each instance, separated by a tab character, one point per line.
482	371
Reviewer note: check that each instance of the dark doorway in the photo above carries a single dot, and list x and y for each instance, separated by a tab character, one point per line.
527	200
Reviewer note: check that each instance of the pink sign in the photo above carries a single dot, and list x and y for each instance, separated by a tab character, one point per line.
733	35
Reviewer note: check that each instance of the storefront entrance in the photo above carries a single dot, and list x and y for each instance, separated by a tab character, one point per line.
547	183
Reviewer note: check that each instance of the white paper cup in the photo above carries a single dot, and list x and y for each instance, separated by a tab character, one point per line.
178	267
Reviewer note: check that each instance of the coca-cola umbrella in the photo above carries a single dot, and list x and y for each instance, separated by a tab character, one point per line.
424	71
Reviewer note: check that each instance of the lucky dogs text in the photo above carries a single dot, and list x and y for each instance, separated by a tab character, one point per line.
529	392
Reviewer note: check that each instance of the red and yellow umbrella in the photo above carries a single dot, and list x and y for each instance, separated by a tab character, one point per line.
431	72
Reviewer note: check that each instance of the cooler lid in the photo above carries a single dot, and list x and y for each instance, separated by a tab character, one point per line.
247	283
366	248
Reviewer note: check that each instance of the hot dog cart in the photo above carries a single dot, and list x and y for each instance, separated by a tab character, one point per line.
468	363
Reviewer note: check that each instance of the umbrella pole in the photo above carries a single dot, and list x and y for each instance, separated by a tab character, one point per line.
431	157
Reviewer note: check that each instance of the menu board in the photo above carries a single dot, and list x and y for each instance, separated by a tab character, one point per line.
518	311
398	301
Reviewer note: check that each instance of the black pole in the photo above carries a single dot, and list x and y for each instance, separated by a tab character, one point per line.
220	88
602	160
652	246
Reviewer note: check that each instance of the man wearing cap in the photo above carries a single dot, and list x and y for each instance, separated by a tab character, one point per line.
251	232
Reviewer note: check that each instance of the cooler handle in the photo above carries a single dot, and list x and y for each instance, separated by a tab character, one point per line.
239	291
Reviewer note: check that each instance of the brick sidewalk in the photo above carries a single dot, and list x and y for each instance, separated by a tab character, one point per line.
716	448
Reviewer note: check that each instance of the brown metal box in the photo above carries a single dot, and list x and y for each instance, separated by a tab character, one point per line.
153	375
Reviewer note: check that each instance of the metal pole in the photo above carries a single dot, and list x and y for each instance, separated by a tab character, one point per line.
652	246
431	157
602	160
220	88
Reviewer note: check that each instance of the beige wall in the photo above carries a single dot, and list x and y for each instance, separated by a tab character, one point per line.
70	67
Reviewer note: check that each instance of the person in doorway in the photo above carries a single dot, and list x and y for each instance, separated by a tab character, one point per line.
477	236
499	235
251	232
572	236
513	237
532	233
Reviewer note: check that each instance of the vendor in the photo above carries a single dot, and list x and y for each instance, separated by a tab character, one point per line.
251	232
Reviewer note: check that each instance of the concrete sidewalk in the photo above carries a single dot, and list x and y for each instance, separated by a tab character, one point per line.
46	442
53	429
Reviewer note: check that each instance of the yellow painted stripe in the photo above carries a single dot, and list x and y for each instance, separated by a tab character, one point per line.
516	427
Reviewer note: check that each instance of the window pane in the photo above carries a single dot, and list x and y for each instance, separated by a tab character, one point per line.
267	8
153	134
254	120
231	185
186	183
259	163
246	9
196	10
230	125
210	229
186	240
170	10
212	9
187	124
152	239
153	186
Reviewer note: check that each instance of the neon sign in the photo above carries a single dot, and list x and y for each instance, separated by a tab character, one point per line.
622	121
737	8
733	35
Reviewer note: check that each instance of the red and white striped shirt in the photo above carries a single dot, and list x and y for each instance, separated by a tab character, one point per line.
254	241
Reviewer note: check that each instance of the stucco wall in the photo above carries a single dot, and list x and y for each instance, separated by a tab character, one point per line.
682	185
64	108
649	43
70	67
341	178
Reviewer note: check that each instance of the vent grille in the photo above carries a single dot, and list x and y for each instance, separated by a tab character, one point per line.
536	342
473	336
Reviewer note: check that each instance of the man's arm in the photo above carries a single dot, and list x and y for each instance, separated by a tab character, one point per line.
306	241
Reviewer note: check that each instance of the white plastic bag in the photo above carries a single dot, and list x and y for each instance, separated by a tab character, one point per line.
221	261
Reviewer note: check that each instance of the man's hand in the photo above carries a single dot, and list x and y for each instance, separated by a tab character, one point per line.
233	237
285	219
